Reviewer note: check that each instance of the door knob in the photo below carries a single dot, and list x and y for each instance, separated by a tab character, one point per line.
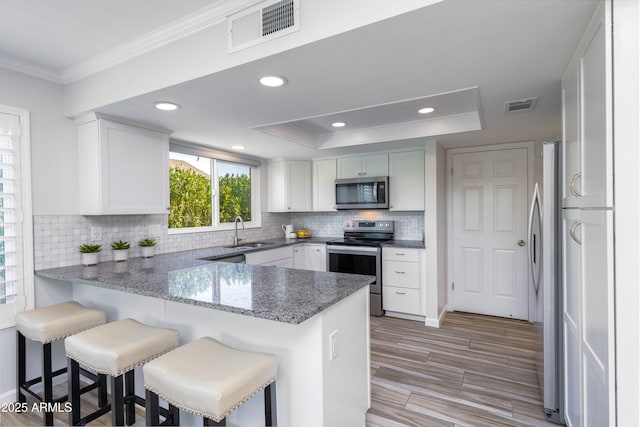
521	243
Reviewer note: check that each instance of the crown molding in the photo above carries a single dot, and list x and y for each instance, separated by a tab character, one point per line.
176	30
30	69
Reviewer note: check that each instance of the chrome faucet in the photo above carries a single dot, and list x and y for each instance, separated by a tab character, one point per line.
235	239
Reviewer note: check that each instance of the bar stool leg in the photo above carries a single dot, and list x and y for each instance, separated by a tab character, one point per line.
73	369
130	397
117	401
270	405
102	390
21	374
47	381
209	422
174	415
152	413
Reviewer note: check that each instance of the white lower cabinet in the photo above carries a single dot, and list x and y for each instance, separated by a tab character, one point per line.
310	256
402	280
280	257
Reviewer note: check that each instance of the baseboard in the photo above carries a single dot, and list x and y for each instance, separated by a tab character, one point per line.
404	316
8	396
435	323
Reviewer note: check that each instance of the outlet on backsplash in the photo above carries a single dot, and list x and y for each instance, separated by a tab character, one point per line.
96	234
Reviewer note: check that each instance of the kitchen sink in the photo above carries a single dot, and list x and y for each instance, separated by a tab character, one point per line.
249	245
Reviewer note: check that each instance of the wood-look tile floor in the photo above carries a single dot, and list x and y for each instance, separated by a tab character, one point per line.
472	371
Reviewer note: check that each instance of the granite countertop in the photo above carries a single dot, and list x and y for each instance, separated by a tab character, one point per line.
279	294
407	244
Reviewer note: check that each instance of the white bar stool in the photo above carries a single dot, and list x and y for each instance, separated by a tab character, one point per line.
209	379
46	325
114	349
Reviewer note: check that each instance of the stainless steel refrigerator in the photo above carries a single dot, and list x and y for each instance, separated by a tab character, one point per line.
545	270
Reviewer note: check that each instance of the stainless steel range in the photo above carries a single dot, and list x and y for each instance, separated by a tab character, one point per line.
360	252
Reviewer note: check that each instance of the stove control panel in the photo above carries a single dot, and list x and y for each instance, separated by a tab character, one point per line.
384	226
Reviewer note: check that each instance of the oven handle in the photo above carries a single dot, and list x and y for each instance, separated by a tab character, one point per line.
343	250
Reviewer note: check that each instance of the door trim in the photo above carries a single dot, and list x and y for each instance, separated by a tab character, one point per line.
529	145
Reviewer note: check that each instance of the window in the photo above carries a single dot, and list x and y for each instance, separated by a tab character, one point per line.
209	189
16	235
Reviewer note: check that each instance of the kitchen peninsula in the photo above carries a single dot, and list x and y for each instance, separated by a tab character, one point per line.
317	323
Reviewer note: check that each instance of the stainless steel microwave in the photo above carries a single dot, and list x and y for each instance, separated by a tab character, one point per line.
362	193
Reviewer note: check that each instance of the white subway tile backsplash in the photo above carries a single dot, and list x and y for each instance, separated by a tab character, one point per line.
407	226
57	237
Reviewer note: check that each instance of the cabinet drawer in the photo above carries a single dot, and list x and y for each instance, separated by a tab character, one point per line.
404	274
398	254
401	300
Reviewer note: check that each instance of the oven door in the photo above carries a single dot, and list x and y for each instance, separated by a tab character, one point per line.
359	260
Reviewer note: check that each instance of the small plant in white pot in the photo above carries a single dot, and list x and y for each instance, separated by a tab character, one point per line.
90	253
120	250
147	247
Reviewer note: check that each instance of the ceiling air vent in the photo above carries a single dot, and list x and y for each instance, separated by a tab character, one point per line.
520	105
262	22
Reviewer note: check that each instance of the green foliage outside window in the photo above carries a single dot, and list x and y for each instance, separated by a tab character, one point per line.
190	198
235	197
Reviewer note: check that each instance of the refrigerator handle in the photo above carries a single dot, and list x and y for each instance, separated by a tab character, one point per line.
535	210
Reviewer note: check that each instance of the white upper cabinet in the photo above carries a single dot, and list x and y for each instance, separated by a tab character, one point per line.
406	181
289	186
587	119
363	166
324	188
123	169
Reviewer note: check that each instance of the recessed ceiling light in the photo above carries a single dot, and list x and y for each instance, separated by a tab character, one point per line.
338	124
166	106
426	110
273	81
238	147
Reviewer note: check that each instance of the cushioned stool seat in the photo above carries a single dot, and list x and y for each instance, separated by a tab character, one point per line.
116	349
58	321
45	325
208	378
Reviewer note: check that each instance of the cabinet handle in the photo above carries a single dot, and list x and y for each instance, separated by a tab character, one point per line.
572	185
400	254
317	250
572	232
401	293
400	272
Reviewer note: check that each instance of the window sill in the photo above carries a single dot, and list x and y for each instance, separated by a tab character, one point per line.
191	230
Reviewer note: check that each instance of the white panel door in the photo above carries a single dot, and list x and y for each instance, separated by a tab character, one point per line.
489	231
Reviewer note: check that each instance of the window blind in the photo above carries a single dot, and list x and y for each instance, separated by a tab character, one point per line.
212	153
10	210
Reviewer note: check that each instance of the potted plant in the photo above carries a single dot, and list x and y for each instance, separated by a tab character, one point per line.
120	250
147	247
90	253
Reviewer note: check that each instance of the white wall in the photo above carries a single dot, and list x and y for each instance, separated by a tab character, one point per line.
54	173
53	141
